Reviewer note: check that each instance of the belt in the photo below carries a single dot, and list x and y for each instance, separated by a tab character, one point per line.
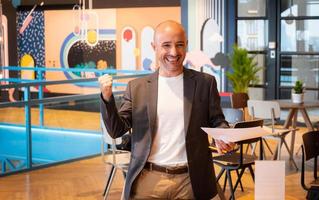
168	170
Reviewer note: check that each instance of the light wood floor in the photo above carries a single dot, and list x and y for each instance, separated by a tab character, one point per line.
68	119
85	179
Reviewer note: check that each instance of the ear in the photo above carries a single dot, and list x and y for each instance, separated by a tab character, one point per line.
153	45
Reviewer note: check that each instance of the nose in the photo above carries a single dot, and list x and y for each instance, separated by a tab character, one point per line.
173	51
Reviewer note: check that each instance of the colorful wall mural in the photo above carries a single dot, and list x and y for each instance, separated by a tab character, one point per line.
205	21
97	39
31	50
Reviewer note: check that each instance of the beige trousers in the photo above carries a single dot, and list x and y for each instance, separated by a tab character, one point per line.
159	185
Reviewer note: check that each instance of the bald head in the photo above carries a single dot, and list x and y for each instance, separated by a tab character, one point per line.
167	27
170	48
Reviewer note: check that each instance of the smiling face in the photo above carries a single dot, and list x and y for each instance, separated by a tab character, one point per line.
170	48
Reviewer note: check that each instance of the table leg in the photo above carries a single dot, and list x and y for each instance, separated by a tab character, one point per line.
293	134
289	117
306	118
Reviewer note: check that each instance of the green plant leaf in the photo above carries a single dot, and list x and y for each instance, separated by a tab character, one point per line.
298	88
244	70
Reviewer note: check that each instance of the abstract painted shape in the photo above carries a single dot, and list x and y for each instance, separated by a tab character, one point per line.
28	18
128	48
101	64
147	52
211	38
198	59
212	42
27	61
32	40
147	64
127	35
91	37
25	24
77	54
91	27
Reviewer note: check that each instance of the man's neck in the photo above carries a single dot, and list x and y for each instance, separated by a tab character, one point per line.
166	73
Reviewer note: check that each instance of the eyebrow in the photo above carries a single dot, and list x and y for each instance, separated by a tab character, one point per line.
178	42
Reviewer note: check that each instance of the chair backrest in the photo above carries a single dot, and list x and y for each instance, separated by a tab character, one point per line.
311	144
250	124
310	149
264	109
107	139
233	115
239	100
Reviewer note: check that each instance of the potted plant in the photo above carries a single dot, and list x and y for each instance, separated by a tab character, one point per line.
244	70
297	94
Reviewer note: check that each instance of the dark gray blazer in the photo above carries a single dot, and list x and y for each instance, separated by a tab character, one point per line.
138	111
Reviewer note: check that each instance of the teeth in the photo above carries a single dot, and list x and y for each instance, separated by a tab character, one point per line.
172	59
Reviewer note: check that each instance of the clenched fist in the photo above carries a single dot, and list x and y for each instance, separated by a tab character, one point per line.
106	86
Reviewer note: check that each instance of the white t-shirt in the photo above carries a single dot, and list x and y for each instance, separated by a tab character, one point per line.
168	146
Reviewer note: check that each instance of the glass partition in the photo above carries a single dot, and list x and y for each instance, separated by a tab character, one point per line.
299	67
13	140
249	8
296	8
252	34
73	114
300	35
260	59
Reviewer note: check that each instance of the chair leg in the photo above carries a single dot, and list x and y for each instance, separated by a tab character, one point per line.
240	183
263	149
220	174
220	193
230	183
124	174
247	147
268	147
109	182
276	155
225	181
239	178
122	195
253	148
251	172
291	158
298	150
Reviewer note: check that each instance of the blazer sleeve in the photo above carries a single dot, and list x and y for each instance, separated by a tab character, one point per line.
216	116
117	122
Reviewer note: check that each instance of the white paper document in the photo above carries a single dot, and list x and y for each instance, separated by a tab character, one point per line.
270	180
237	134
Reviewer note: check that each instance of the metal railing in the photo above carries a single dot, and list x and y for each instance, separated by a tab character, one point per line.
27	102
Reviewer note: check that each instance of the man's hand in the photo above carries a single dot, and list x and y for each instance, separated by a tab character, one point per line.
106	86
223	147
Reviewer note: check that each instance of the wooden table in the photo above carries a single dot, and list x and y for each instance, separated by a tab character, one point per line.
293	114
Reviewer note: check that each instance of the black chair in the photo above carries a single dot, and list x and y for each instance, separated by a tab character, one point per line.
238	160
310	150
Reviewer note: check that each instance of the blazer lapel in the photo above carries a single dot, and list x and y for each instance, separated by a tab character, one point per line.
189	91
152	88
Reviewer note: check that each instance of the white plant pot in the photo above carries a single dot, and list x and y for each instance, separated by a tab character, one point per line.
297	98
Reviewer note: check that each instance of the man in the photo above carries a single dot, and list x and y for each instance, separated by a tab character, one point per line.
170	157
